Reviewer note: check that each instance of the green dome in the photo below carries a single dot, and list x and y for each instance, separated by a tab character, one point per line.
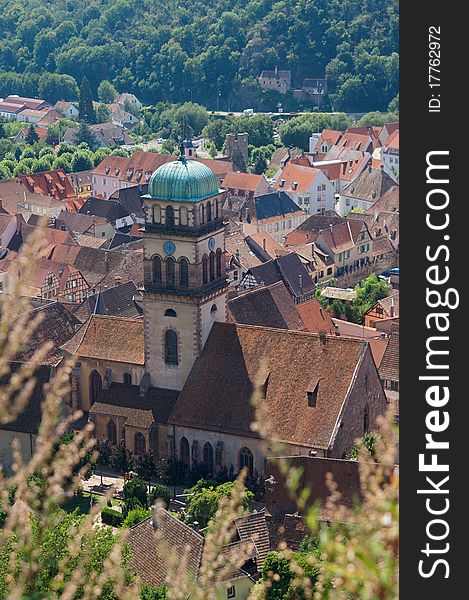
184	180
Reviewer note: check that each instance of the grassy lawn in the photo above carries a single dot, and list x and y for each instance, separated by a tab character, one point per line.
83	503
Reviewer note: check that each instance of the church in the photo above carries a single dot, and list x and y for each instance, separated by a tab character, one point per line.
179	382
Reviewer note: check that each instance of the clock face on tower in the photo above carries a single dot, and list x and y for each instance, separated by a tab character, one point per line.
211	244
169	247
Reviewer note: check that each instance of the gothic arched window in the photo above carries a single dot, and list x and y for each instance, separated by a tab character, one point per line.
112	433
171	347
219	263
212	266
184	272
184	452
204	268
139	443
170	272
209	211
208	457
96	385
156	269
246	460
169	216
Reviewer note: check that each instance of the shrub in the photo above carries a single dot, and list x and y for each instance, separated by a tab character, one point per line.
135	488
160	492
112	517
136	516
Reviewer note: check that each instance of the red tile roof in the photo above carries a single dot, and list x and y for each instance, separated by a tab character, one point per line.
303	176
223	377
49	183
315	318
118	339
241	181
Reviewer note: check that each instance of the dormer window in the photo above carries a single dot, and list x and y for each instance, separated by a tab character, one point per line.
106	170
312	393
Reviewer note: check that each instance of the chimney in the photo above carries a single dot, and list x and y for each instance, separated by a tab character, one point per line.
300	281
392	307
323	337
282	182
264	245
237	254
154	518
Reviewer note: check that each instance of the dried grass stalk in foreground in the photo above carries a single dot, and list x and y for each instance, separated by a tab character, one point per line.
358	553
39	487
359	559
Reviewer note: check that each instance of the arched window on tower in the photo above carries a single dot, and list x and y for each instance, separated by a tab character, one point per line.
183	219
139	443
202	213
212	266
156	269
216	209
169	216
209	211
208	457
156	213
170	272
96	385
112	433
204	268
184	453
246	460
219	263
184	272
171	348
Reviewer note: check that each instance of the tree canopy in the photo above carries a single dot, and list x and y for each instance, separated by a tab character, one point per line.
202	51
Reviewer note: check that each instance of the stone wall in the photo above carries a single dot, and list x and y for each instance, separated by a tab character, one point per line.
352	278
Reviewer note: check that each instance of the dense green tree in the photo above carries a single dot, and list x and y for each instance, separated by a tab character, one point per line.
103	114
86	135
135	488
106	92
82	161
86	108
149	592
3	133
136	516
32	136
204	498
53	87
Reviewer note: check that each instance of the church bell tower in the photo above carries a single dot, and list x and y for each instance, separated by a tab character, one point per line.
185	286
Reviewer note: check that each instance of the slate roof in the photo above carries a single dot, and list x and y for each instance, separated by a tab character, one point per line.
124	401
288	269
118	339
75	222
269	306
130	198
117	301
109	209
223	376
119	238
93	263
30	419
58	326
276	204
370	185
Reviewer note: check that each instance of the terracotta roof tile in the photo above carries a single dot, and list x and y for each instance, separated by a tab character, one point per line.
389	367
117	339
224	373
148	561
242	181
315	318
303	176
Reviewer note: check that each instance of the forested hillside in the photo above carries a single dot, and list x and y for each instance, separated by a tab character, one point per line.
173	50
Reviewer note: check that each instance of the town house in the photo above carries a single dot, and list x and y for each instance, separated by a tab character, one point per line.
310	188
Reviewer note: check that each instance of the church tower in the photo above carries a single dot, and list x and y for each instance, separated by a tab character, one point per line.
185	286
